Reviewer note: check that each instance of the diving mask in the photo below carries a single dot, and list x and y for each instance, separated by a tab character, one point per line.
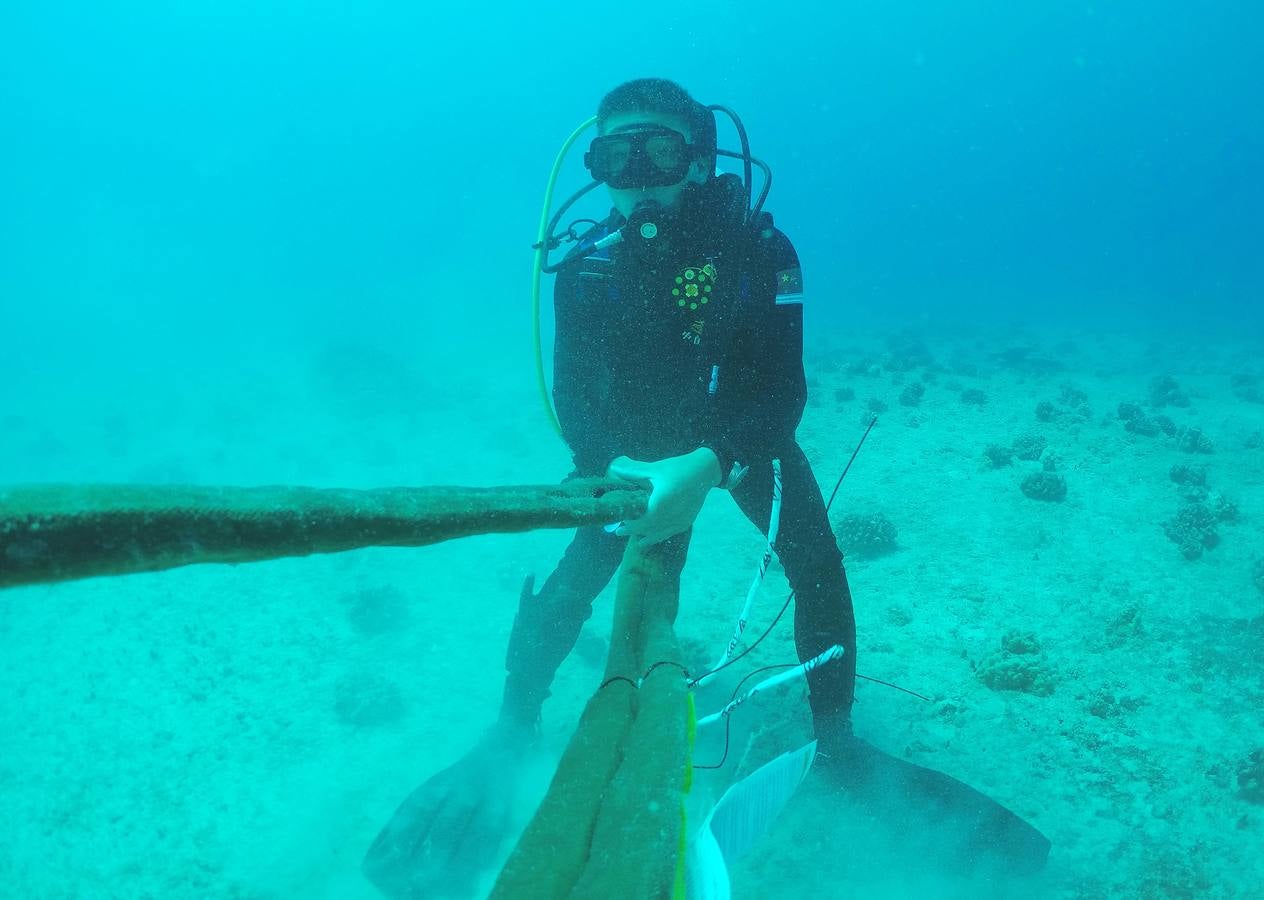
650	157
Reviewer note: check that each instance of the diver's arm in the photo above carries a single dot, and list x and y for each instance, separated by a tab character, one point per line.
575	381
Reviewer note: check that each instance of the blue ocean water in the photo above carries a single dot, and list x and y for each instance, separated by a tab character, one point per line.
291	243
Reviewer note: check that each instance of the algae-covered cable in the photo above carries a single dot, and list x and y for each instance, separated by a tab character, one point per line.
51	533
612	822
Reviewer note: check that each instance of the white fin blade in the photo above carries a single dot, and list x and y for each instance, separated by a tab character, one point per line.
748	808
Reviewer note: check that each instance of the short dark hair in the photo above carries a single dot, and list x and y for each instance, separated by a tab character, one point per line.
665	98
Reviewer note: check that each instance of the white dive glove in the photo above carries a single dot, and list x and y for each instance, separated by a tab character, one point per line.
678	486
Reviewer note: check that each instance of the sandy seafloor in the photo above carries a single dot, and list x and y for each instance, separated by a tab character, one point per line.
243	731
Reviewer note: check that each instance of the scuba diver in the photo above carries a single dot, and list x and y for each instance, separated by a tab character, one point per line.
678	364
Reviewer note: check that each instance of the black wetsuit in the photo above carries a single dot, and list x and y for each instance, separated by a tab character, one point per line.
657	354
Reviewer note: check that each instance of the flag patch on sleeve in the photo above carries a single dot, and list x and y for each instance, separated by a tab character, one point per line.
790	286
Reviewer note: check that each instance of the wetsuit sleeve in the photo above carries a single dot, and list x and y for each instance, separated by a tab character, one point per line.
577	368
765	402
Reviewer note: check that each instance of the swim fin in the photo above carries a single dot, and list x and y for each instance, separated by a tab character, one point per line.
449	834
942	821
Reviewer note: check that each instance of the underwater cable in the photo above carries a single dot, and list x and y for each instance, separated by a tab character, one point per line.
773	624
774	522
802	669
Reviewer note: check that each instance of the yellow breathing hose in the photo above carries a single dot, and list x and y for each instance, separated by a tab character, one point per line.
541	254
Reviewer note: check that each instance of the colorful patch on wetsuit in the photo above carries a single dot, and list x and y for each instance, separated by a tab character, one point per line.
790	286
692	292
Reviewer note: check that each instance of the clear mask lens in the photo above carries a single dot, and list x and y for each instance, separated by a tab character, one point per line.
635	159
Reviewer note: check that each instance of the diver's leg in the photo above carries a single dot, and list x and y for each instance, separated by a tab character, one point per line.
823	614
548	623
967	828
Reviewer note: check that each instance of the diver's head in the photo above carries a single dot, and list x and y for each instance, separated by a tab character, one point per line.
653	140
